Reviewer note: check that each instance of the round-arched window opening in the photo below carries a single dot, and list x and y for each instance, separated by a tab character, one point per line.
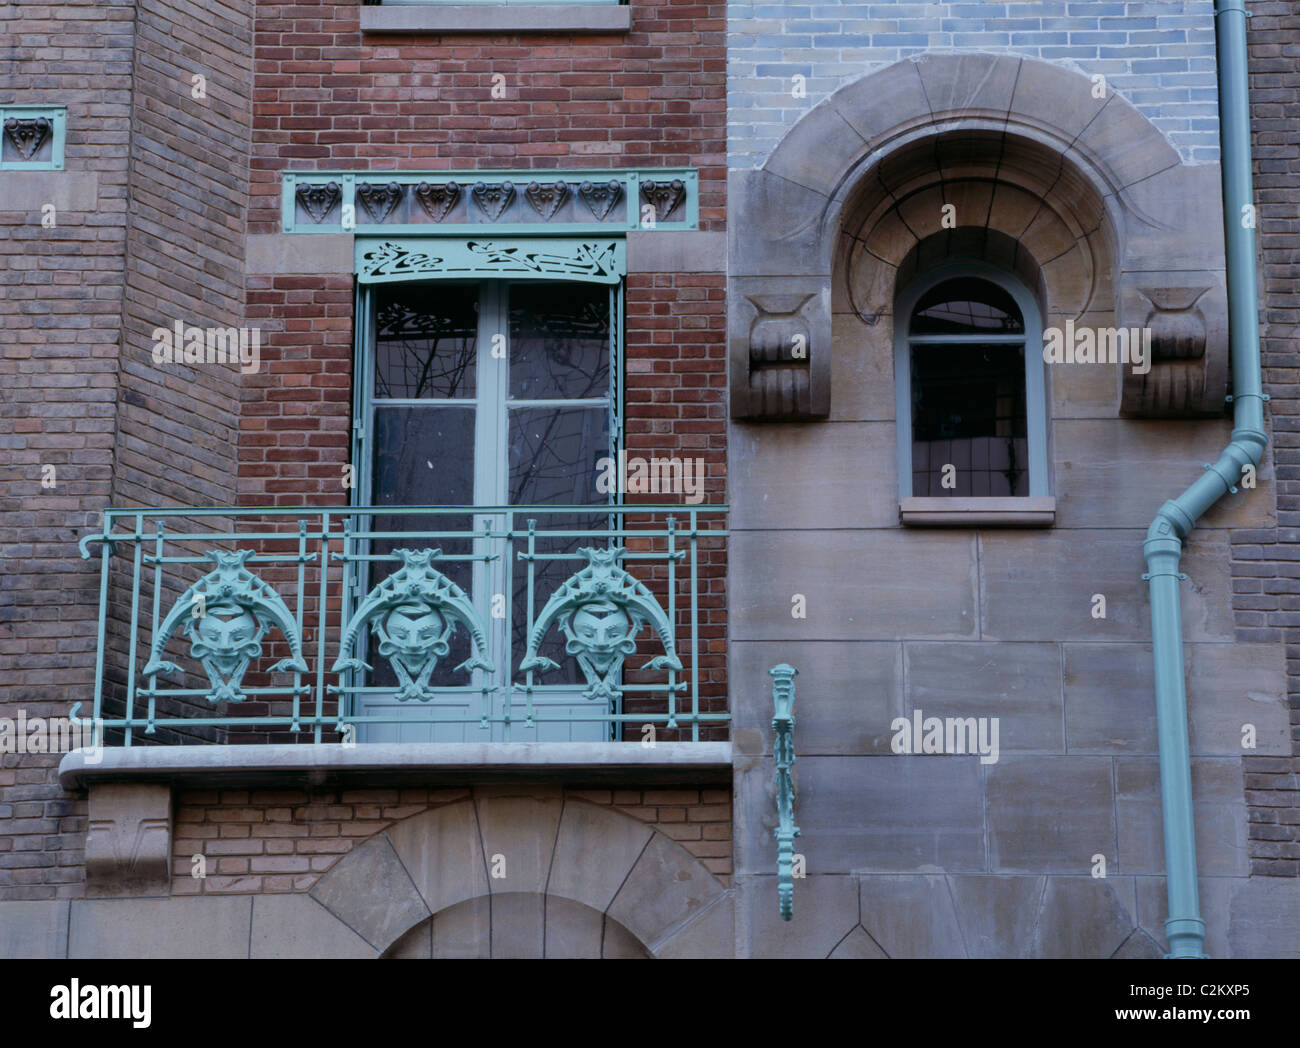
971	401
967	306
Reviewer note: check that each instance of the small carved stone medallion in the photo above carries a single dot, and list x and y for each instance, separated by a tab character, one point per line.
664	197
437	200
27	136
379	202
546	198
493	198
600	197
318	200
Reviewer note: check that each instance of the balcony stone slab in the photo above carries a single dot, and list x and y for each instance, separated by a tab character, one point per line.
280	765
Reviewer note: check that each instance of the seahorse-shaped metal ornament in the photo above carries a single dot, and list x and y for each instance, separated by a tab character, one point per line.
414	613
600	609
227	613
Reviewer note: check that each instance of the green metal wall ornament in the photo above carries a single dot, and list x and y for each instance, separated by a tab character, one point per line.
567	258
227	613
600	610
783	752
414	613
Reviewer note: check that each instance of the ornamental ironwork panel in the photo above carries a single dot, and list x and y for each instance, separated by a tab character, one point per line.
600	610
340	594
603	261
32	137
414	612
783	753
226	616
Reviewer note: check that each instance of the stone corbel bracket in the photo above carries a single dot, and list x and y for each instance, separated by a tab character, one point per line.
1184	319
783	753
128	840
779	349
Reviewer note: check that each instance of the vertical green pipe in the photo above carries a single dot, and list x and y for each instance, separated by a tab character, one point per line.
1174	522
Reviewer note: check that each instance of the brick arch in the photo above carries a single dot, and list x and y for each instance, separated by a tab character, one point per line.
897	139
510	844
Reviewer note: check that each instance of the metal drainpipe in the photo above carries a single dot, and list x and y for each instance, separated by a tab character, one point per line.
1174	522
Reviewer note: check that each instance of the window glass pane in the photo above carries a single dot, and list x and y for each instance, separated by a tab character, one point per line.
424	456
554	454
967	306
968	411
425	340
559	341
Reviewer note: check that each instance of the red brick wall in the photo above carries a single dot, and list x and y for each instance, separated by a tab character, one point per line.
327	97
1265	568
60	311
162	241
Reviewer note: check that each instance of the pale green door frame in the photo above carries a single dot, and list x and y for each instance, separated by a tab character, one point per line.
488	272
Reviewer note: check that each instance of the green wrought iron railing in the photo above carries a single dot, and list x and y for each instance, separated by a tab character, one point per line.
421	623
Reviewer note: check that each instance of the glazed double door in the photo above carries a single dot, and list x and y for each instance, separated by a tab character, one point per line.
485	396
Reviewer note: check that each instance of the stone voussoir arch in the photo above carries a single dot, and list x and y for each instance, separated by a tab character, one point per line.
512	841
787	215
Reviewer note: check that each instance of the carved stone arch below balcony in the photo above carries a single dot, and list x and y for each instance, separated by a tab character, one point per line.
1121	228
524	871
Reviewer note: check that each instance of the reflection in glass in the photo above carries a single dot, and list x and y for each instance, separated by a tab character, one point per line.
967	306
559	341
425	340
553	455
968	411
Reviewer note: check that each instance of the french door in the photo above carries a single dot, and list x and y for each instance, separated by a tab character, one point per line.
489	394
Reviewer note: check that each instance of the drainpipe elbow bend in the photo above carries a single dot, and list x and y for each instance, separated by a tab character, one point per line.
1166	533
1249	442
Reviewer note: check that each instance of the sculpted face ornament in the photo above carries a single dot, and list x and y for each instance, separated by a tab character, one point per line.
414	612
226	635
227	614
600	610
413	638
599	635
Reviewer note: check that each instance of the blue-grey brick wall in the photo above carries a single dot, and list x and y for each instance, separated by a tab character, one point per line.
1159	54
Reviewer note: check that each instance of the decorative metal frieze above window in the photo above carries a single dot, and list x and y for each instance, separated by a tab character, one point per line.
506	202
555	258
31	138
493	3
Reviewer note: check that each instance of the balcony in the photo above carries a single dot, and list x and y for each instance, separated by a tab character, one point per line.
382	643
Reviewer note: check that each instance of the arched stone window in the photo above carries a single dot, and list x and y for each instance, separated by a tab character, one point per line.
970	388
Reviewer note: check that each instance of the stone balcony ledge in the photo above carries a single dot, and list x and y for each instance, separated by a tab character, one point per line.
280	765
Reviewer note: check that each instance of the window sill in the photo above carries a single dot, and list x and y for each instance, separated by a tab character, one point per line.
276	764
496	18
1035	512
